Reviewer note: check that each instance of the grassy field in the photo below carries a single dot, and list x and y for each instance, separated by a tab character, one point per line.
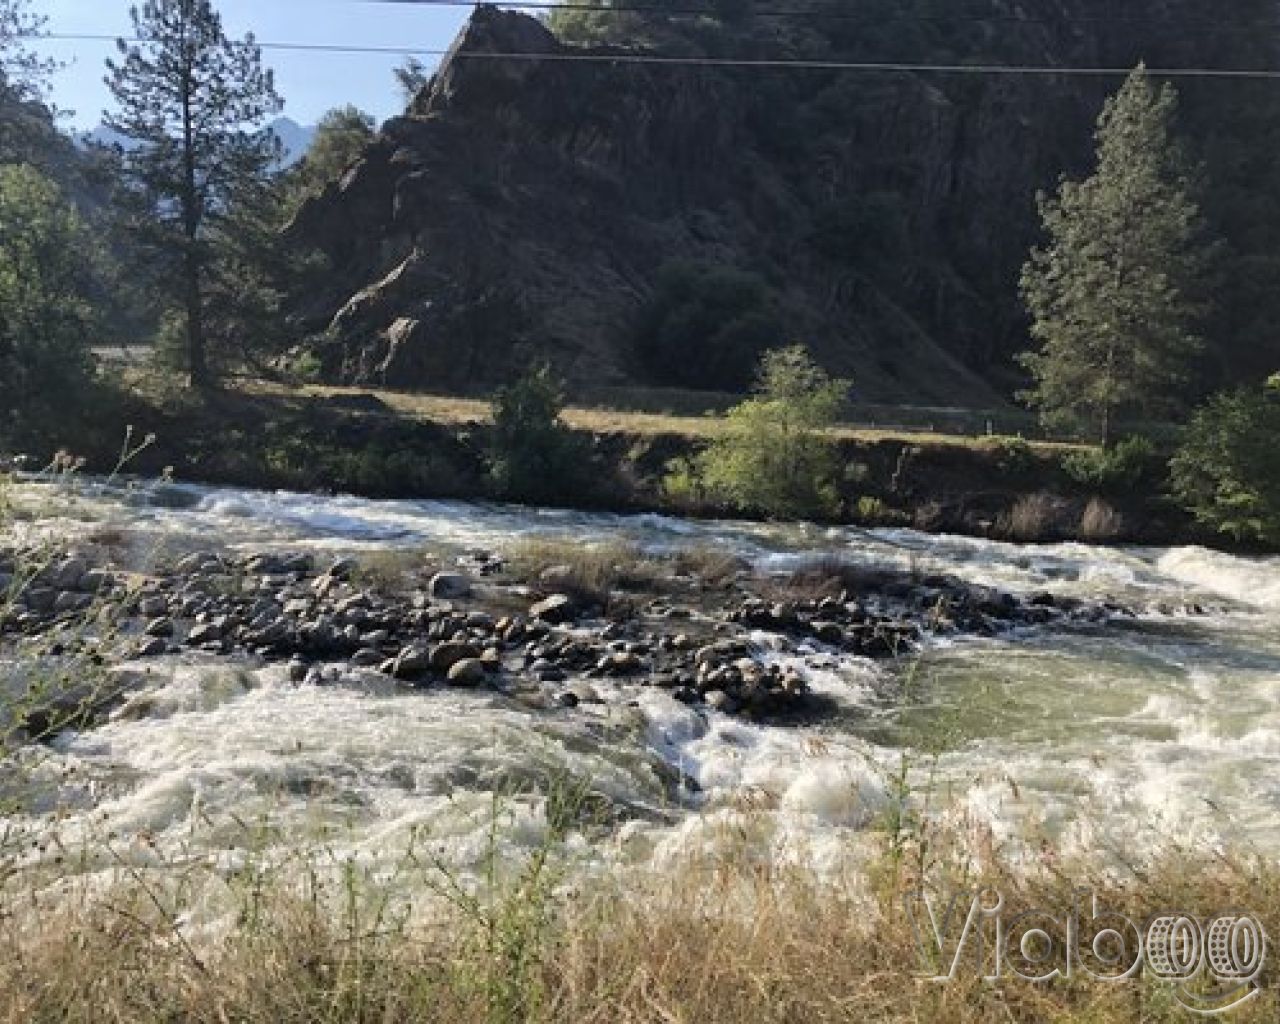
454	410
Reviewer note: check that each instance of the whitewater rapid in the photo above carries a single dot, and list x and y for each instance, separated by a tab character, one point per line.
1164	726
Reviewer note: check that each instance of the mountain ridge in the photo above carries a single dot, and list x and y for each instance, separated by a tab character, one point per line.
640	224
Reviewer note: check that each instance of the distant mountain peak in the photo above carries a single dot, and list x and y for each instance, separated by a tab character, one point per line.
295	138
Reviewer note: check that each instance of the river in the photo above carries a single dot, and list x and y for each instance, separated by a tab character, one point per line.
1103	739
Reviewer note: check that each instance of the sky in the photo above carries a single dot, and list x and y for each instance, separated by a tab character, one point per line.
310	82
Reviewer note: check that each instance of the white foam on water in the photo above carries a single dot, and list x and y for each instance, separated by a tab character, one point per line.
1092	740
1251	581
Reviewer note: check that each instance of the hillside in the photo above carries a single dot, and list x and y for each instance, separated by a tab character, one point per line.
661	224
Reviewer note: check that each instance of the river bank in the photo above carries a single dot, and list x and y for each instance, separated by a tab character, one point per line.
391	446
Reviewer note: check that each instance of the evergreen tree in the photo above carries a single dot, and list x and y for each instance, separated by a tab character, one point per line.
1227	470
23	73
196	101
49	281
412	77
341	137
1116	295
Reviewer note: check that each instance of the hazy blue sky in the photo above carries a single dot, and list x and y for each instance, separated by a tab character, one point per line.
311	83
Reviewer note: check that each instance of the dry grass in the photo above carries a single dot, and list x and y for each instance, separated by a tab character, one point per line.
724	941
588	572
1034	517
453	410
1100	521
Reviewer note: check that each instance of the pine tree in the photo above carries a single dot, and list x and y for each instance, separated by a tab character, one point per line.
23	73
196	101
1116	295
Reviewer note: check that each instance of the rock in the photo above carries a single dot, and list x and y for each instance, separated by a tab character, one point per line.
547	672
205	633
586	693
622	663
449	586
720	701
94	581
71	602
66	574
828	632
444	656
342	569
556	576
467	672
366	657
197	561
266	565
567	699
159	627
297	670
152	606
556	609
153	647
40	599
411	663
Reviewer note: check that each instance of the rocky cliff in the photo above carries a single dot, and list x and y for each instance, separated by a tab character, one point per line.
660	224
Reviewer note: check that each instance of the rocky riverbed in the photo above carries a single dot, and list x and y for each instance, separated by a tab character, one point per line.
541	637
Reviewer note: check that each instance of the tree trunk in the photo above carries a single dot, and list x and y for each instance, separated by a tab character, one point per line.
197	362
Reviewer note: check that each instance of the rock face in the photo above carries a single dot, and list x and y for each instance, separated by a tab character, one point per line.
526	207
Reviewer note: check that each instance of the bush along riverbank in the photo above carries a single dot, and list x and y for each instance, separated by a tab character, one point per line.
1001	488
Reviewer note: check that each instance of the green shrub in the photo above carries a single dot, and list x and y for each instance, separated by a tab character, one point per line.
50	277
774	457
1014	455
532	454
1227	471
1120	468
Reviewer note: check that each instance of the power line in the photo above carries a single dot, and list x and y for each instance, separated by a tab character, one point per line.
759	64
839	15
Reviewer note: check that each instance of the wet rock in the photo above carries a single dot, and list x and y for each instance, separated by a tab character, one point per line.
297	670
204	633
444	656
622	663
449	586
556	609
411	663
585	693
547	671
367	657
159	626
342	569
153	647
719	700
568	699
828	632
467	672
